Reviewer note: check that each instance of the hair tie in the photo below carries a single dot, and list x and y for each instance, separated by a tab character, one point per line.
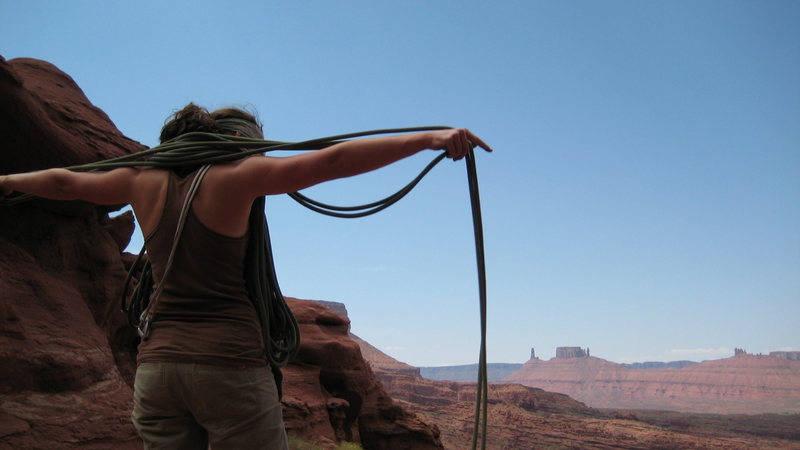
244	127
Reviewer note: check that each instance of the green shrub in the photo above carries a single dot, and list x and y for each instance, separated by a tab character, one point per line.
348	446
298	443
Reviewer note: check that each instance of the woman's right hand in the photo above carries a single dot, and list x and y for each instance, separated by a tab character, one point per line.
457	142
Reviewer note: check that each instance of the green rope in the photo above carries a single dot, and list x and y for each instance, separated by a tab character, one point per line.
279	327
482	388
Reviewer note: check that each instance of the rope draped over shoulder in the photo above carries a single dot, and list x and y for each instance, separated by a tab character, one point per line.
279	327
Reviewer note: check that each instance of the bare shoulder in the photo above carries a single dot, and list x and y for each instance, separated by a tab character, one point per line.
268	175
147	177
241	166
148	184
256	163
243	176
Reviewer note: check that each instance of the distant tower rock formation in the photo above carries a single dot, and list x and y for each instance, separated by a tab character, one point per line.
533	354
571	352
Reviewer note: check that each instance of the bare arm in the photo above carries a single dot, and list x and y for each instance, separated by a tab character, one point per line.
263	176
105	188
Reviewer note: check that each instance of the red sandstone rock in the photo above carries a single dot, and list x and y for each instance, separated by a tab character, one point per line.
60	271
743	384
521	417
331	391
67	355
378	359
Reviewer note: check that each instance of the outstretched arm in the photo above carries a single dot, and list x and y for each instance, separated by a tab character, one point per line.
105	188
263	176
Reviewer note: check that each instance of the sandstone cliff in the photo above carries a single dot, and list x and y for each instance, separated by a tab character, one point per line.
330	391
521	417
60	272
745	384
66	353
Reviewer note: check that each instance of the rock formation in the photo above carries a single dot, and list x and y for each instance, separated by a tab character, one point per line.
746	384
571	352
60	274
66	353
521	417
378	359
329	390
789	356
655	365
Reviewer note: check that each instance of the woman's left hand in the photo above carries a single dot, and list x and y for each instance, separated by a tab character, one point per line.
457	142
4	191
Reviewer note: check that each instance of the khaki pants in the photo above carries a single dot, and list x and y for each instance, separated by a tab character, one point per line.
192	406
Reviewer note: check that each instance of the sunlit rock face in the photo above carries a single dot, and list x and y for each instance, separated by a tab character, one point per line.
526	417
67	355
743	384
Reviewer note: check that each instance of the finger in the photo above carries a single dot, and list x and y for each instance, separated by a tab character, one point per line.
451	150
461	143
476	140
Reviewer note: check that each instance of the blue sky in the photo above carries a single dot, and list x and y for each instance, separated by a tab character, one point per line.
642	200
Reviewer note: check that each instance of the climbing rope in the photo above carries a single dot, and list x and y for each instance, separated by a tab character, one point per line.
279	327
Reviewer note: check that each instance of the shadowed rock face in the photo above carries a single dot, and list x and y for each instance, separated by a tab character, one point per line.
332	391
67	357
60	274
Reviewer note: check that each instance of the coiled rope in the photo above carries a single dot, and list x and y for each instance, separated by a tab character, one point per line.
279	327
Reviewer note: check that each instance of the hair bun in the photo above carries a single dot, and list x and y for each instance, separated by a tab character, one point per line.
191	118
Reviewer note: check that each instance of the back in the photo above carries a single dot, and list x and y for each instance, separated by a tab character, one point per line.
204	314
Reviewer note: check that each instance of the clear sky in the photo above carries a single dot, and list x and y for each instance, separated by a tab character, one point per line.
643	199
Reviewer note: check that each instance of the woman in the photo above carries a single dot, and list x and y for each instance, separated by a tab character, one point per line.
202	377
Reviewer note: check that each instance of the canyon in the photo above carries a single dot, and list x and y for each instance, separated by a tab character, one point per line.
523	417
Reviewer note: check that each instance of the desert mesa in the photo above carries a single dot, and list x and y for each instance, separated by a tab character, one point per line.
742	384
